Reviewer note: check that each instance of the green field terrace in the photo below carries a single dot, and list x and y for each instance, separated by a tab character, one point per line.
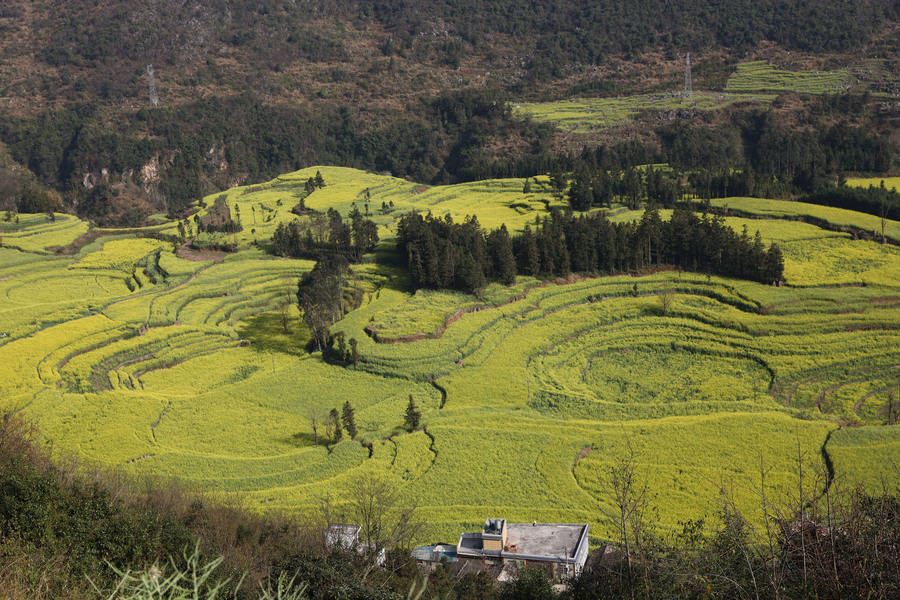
134	356
757	83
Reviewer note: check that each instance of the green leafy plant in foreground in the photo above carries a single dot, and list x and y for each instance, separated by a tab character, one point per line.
195	582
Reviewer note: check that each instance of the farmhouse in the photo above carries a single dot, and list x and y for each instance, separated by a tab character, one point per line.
346	536
429	556
560	548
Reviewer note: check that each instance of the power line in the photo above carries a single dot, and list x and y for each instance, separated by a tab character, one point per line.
154	98
688	87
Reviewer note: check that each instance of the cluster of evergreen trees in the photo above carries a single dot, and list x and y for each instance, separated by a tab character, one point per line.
319	232
774	158
334	423
595	186
444	254
564	243
878	201
759	157
320	296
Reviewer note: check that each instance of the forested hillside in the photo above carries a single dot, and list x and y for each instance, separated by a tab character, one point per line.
277	32
422	90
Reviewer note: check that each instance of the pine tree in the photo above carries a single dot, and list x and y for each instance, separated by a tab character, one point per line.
354	351
413	415
349	419
773	265
502	260
529	255
342	345
320	181
334	421
581	196
559	181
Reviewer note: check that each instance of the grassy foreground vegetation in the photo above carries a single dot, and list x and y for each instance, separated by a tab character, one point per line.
71	530
134	356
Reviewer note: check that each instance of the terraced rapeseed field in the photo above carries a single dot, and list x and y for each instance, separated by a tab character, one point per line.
760	76
136	357
755	82
890	183
588	114
778	209
38	233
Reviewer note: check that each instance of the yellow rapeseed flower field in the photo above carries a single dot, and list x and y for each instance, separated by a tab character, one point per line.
528	393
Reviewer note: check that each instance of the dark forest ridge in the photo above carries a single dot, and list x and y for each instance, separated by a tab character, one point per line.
168	31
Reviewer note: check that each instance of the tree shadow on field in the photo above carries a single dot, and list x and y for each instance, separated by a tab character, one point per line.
391	266
304	440
266	333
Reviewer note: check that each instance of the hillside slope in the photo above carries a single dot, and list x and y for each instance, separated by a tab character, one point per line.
248	90
160	364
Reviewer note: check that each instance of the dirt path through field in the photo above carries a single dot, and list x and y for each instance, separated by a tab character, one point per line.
188	253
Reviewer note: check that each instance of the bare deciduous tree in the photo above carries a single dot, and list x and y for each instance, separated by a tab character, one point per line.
629	495
285	301
385	521
666	298
314	417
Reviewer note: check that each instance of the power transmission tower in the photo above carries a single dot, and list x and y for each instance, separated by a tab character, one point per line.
154	98
688	88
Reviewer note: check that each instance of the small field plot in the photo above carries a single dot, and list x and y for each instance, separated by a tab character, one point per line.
870	455
674	376
783	209
841	261
760	76
890	183
428	312
493	202
692	464
588	114
119	255
39	233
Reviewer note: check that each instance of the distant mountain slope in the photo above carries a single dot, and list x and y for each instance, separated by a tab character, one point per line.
251	88
278	31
